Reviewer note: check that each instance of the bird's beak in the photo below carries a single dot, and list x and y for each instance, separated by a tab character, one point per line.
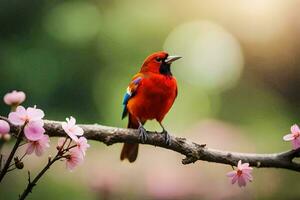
171	59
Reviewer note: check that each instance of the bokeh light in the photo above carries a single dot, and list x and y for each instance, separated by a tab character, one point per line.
213	58
74	23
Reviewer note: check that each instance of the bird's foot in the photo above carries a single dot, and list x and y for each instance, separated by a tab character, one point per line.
143	133
167	137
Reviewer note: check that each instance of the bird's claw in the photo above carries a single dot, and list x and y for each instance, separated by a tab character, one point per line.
167	137
142	134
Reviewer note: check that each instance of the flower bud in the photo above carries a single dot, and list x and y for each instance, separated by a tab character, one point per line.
19	164
14	98
6	137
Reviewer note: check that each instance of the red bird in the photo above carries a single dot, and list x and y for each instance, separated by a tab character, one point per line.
150	95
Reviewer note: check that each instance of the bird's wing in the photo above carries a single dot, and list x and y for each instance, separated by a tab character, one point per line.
130	92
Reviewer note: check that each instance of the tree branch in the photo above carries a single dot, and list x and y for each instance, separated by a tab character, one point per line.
192	151
12	153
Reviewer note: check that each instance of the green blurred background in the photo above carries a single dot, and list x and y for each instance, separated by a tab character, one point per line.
238	89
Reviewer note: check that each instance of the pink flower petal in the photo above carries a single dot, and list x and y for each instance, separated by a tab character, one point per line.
39	150
30	148
241	181
35	114
295	143
288	137
71	121
15	119
234	179
18	117
72	129
72	136
14	98
75	159
231	174
65	126
247	176
295	129
78	131
34	130
39	146
82	145
239	165
4	127
245	165
21	110
44	141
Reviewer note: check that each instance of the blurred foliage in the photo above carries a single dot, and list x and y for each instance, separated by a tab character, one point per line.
240	66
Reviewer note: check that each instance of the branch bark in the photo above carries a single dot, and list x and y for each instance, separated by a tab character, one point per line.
191	150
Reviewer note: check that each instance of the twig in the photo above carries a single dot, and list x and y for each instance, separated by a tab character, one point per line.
68	148
11	169
1	157
29	181
33	183
22	144
58	156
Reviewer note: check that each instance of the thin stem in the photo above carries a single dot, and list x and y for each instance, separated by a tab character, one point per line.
32	183
69	143
23	156
11	169
1	157
12	153
62	146
22	144
67	149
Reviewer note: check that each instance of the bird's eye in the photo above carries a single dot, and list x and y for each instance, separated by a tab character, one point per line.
158	59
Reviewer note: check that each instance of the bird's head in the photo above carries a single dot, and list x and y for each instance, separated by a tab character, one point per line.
159	62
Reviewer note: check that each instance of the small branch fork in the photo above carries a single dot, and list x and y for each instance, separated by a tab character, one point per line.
192	151
31	183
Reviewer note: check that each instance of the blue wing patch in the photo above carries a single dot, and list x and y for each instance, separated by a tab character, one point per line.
126	98
129	93
137	80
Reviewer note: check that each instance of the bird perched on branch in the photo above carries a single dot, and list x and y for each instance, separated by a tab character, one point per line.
150	95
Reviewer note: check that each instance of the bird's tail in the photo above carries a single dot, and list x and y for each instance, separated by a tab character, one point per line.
130	151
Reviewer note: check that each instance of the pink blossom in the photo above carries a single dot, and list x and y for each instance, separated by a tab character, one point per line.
241	175
74	159
32	117
34	130
82	145
38	146
14	98
22	115
4	127
293	136
72	129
